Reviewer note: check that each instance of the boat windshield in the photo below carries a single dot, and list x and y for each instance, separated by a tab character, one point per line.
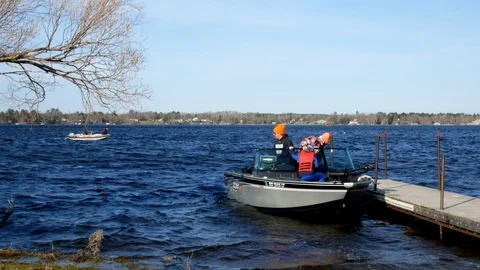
338	158
281	160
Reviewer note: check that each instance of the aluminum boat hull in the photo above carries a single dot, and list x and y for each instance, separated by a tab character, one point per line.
294	196
87	137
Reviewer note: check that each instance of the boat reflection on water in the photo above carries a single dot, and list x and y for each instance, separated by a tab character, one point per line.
292	243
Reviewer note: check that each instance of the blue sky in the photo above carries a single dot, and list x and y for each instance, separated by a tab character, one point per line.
307	57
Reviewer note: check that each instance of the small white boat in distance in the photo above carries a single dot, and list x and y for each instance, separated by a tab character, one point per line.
86	137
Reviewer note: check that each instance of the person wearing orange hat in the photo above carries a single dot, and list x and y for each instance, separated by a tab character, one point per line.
324	139
282	143
308	165
316	142
282	139
309	168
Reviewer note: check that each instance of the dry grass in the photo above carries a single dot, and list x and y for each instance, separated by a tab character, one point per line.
37	266
10	254
95	242
50	257
81	257
187	263
11	259
8	257
129	264
92	250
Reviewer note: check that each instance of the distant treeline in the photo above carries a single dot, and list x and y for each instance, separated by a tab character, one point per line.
55	116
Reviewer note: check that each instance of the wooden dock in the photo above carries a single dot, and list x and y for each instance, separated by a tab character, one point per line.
461	213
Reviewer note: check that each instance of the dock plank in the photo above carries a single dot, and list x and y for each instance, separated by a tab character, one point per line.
460	211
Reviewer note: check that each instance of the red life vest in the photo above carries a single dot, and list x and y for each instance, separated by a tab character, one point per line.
305	161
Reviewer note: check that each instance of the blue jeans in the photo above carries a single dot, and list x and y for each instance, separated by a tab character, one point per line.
316	177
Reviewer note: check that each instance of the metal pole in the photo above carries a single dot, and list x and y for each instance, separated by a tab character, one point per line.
438	160
442	190
385	152
331	149
377	156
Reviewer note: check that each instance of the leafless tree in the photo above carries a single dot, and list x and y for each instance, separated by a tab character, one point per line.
88	43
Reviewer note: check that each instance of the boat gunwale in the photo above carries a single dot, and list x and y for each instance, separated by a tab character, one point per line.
294	183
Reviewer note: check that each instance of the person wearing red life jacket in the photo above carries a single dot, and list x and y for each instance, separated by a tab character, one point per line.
307	160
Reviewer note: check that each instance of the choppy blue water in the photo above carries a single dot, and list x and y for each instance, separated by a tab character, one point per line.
158	191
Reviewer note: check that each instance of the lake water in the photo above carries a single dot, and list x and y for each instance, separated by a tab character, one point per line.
159	191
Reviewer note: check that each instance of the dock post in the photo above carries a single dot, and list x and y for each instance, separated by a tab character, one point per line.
442	192
438	160
377	155
442	185
385	152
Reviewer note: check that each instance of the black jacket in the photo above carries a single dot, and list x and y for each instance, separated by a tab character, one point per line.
283	143
283	156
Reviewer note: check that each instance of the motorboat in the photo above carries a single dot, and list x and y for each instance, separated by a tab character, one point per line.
272	184
87	137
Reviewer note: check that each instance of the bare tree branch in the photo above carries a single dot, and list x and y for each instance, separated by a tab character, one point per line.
88	43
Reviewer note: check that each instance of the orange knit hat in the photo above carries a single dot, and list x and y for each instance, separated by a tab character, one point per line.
279	129
325	137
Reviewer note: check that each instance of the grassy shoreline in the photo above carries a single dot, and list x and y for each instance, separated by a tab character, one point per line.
87	258
23	260
15	259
